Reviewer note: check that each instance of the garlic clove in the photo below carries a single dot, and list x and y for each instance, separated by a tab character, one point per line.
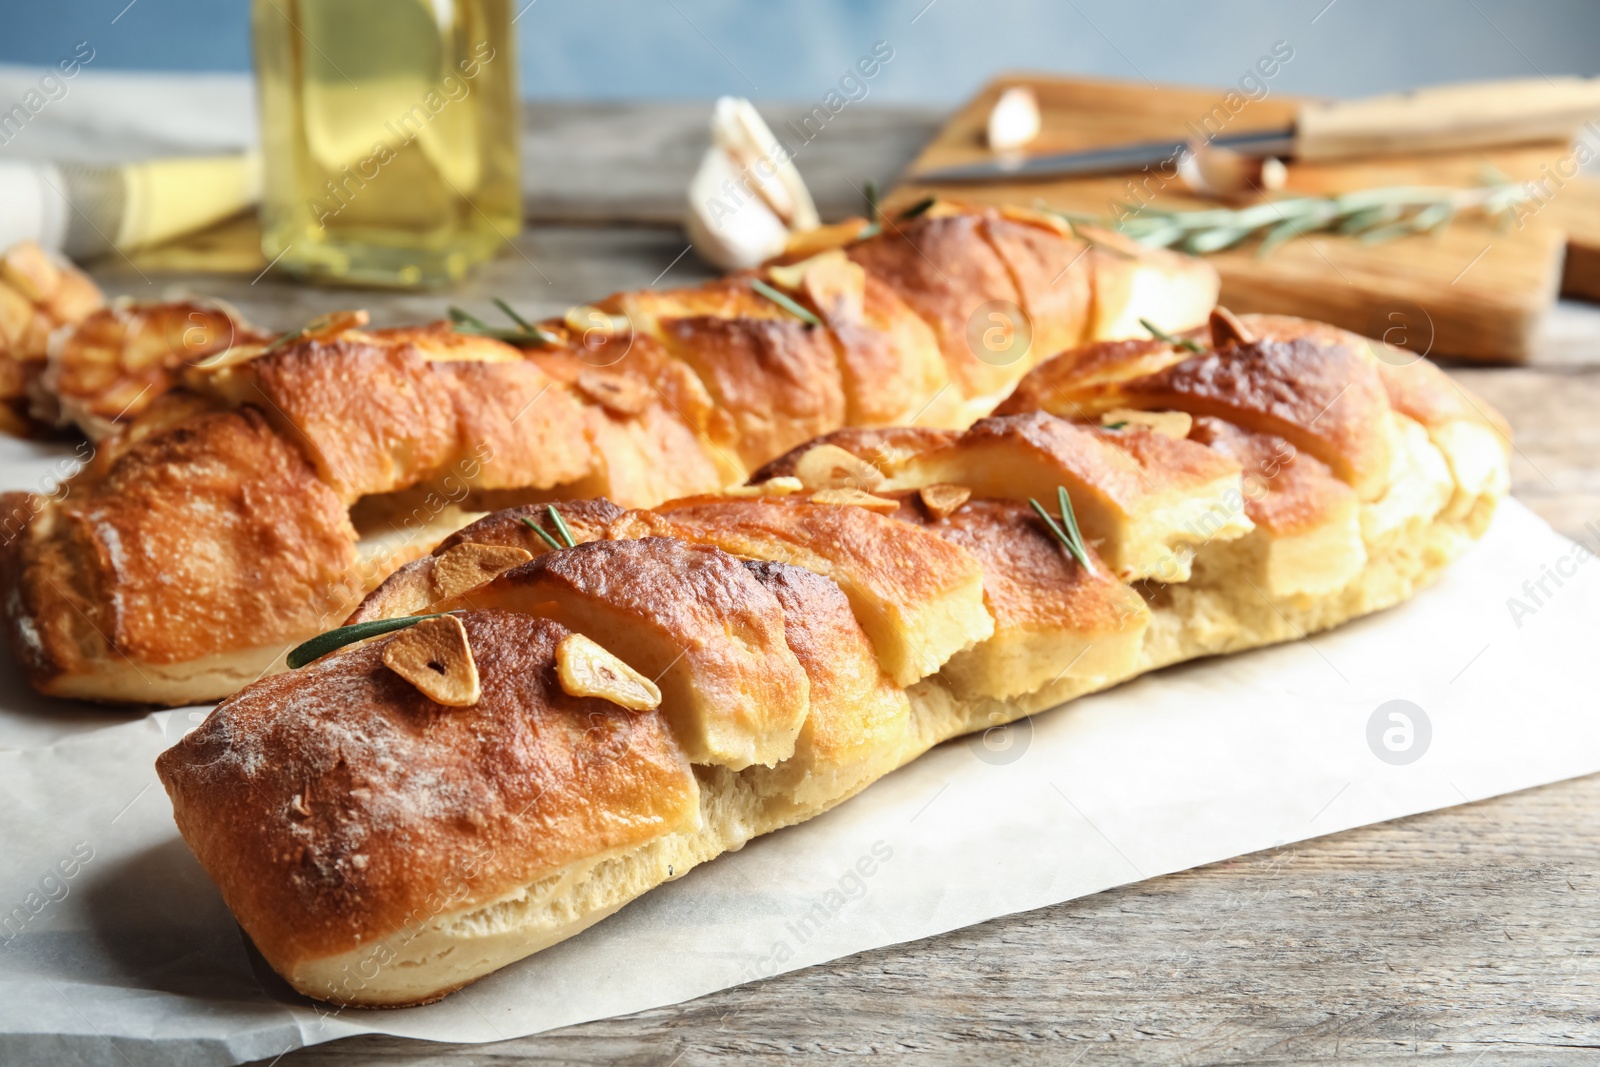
434	656
832	467
1223	174
1174	424
729	230
1014	120
462	568
747	196
738	128
942	499
587	669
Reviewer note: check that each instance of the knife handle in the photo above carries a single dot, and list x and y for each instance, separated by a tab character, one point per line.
1472	115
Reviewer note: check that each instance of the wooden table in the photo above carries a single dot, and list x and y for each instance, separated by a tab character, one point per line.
1470	935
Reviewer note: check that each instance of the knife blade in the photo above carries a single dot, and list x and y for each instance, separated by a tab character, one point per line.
1441	118
1110	160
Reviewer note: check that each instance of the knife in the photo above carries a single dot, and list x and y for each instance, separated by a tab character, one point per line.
1447	117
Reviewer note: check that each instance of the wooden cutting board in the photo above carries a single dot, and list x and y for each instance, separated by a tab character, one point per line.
1472	290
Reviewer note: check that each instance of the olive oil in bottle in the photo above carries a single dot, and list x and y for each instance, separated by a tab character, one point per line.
389	137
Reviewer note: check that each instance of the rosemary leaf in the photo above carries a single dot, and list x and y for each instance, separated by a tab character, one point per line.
799	311
1162	335
322	644
1283	231
1069	518
511	313
555	546
1370	215
525	334
919	208
561	526
1072	542
874	215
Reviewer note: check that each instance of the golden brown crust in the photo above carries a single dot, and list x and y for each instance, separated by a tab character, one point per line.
1029	580
778	379
412	588
1317	387
1056	385
38	295
917	596
119	360
1286	491
1322	398
945	270
857	712
214	533
1124	467
1056	297
1419	390
890	364
372	809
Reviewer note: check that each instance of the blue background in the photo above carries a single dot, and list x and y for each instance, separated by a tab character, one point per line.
796	49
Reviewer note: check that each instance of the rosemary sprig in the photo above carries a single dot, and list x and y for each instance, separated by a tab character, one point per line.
565	532
874	212
526	333
322	644
555	546
1370	215
919	208
782	299
561	526
1066	531
1172	339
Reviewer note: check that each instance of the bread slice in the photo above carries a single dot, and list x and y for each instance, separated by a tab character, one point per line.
1144	499
690	618
917	597
1053	618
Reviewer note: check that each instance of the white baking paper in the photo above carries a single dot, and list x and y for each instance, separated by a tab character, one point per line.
132	959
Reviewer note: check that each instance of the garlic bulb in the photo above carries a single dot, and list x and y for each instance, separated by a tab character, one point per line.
747	197
1014	119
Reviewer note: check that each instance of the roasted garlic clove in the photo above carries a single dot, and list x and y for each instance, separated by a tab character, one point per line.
832	467
461	568
943	499
587	669
1174	424
435	657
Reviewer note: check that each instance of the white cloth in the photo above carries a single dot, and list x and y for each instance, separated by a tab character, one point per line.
118	116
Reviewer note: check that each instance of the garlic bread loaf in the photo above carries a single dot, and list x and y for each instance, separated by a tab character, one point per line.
250	498
658	686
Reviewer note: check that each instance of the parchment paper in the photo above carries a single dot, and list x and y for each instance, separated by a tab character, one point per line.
131	957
